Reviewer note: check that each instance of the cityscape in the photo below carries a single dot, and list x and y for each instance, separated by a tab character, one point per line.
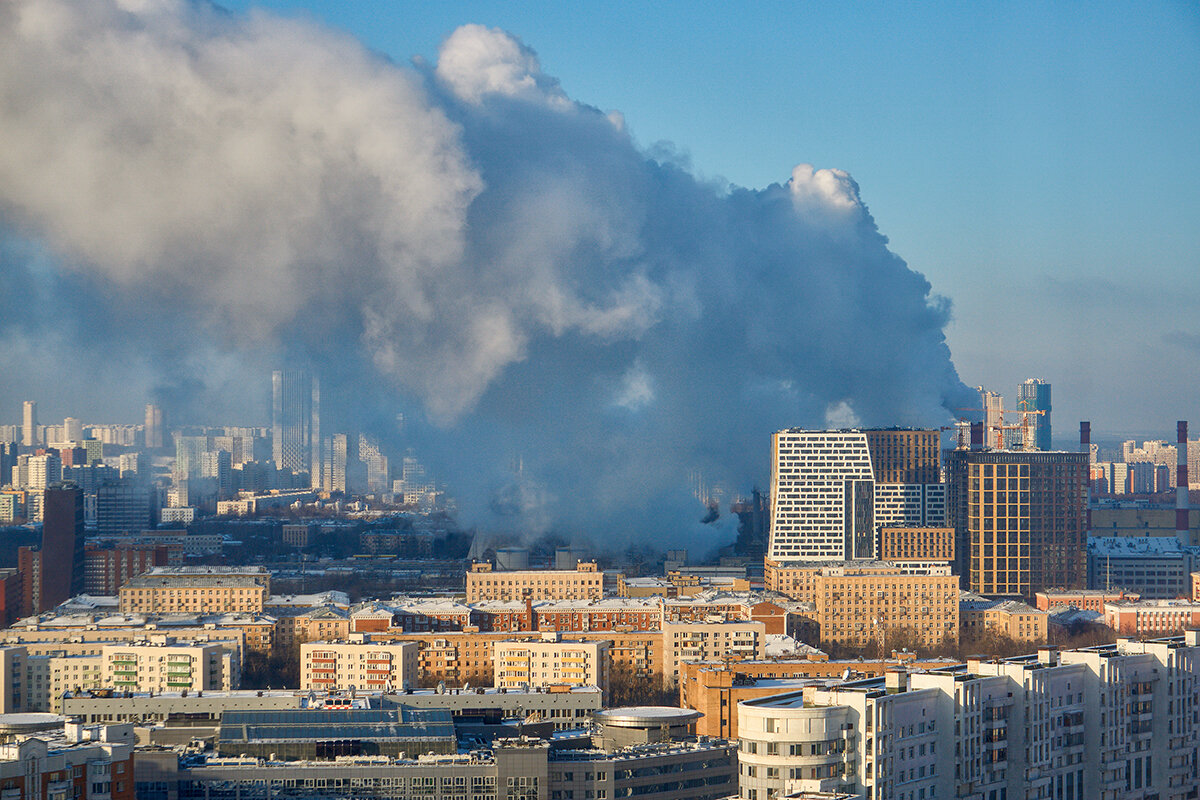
947	611
393	411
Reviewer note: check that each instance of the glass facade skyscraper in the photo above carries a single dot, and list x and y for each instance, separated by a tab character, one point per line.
295	422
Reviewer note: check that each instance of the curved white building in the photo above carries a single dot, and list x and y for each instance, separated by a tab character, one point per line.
787	743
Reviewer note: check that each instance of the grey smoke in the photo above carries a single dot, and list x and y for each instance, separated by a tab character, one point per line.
462	242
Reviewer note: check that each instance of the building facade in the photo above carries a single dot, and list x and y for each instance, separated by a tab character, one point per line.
585	582
366	665
551	661
1019	520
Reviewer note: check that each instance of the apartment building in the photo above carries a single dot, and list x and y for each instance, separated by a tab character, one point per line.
1019	520
459	658
1114	722
35	678
201	590
715	689
709	641
1018	621
368	665
585	582
166	665
79	763
550	661
864	601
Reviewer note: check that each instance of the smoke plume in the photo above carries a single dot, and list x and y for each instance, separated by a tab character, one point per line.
460	242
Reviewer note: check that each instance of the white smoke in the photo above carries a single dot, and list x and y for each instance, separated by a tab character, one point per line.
461	241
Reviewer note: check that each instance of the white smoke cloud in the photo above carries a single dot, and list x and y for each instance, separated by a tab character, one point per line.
841	415
461	241
476	61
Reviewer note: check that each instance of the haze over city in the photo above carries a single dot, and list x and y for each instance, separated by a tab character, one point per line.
584	401
526	231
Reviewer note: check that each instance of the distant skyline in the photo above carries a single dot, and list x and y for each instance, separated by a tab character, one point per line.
1036	164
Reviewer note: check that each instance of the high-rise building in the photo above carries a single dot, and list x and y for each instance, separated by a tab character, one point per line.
61	572
822	492
901	455
43	471
831	490
8	460
124	506
337	457
1034	395
189	454
295	423
72	430
29	424
993	416
376	463
1019	520
154	427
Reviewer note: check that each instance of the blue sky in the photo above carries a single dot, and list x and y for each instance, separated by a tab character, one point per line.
1037	162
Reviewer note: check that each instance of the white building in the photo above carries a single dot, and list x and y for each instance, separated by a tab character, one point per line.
822	491
1115	722
360	664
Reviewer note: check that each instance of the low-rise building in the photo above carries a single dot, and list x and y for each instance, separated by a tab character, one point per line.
1018	621
366	665
1155	567
550	661
1083	599
656	768
565	707
1152	617
585	582
81	763
204	590
709	641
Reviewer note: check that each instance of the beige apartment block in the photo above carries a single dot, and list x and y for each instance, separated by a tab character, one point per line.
862	602
550	661
1018	621
710	641
585	582
208	590
366	664
165	665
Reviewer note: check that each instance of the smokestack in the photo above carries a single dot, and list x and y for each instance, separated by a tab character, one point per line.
976	435
1085	445
1181	482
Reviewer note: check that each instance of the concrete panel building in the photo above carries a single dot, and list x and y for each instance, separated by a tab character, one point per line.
366	665
551	661
709	641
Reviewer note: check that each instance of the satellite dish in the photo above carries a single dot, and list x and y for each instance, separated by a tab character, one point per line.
441	687
466	686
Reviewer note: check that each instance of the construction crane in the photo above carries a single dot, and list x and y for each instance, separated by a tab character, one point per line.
1000	428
